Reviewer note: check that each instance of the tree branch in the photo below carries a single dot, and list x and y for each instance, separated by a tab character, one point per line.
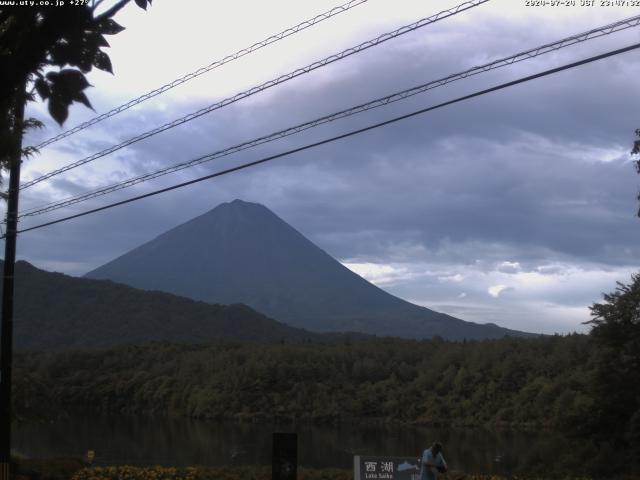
113	10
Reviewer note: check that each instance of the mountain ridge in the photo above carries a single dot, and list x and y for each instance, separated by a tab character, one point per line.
56	311
242	252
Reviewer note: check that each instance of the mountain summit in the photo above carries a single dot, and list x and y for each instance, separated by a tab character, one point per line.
241	252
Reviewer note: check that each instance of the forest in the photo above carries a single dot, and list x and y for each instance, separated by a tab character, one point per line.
508	382
542	383
586	386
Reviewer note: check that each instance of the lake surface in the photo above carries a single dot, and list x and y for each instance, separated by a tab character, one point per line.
181	442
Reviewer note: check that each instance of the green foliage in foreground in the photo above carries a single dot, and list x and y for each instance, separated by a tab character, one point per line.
225	473
247	473
50	469
616	383
509	382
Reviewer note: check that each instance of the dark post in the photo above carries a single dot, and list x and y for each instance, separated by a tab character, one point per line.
284	463
6	331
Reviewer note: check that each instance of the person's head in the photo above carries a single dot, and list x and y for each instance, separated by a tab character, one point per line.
436	448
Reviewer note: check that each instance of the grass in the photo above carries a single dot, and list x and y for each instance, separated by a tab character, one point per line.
76	469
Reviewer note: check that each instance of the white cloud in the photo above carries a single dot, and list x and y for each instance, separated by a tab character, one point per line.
381	274
496	290
457	278
509	267
535	279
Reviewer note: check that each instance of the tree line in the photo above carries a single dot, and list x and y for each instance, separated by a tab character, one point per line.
512	382
586	386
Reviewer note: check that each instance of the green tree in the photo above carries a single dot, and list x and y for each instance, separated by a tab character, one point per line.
44	50
616	382
47	50
636	151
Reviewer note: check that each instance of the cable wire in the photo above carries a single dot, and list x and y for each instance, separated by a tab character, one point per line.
342	136
271	83
525	55
218	63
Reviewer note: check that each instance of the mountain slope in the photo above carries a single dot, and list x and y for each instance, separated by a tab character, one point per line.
241	252
54	311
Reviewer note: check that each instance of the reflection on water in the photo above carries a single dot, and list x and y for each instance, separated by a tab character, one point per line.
180	442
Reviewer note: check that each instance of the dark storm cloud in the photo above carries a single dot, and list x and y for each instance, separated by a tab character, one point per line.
514	175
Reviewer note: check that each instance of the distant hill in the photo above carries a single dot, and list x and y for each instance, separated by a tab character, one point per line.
241	252
54	311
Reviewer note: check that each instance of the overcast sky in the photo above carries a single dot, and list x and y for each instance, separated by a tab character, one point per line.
517	207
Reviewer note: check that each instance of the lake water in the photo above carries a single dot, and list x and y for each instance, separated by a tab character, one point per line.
181	442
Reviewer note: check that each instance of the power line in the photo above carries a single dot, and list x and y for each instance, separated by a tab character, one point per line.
271	83
342	136
218	63
528	54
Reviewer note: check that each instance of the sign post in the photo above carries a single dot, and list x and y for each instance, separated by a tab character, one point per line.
385	468
284	463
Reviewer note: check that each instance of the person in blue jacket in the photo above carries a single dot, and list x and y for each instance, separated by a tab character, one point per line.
432	463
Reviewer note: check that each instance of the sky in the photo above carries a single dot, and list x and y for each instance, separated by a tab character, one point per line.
517	207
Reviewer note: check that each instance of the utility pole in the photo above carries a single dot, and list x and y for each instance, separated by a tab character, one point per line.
6	330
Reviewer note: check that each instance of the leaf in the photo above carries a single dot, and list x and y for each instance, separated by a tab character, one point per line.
109	26
82	98
42	87
83	59
66	86
101	41
102	61
58	109
29	151
59	55
73	80
32	122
